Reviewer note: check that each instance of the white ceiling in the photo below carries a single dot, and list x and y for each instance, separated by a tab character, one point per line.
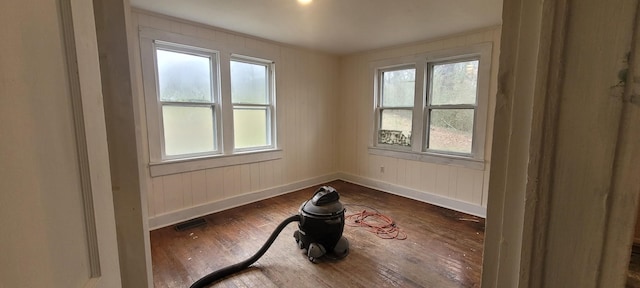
336	26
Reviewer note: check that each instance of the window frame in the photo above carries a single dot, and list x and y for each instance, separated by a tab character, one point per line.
150	120
270	107
215	103
379	108
419	152
429	107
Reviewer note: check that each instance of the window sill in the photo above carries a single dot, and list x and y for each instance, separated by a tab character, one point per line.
201	163
441	159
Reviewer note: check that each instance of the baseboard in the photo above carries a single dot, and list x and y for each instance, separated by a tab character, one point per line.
174	217
434	199
178	216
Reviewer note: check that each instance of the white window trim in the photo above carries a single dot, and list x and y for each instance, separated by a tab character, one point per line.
226	155
418	152
200	163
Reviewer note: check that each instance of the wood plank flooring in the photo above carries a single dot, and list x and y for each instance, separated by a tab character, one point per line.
443	247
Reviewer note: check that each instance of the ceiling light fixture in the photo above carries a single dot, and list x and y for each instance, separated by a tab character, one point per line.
304	2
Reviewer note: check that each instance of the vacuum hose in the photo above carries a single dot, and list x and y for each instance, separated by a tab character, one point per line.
231	269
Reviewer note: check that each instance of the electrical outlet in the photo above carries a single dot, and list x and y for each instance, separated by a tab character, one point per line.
381	169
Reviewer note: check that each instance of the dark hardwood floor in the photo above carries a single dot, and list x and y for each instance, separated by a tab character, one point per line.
633	274
443	247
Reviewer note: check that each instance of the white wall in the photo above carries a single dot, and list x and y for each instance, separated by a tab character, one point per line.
307	89
56	207
451	186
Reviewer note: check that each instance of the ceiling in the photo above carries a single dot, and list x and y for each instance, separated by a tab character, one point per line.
336	26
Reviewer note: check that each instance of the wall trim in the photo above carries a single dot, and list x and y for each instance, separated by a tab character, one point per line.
173	217
84	160
422	196
178	216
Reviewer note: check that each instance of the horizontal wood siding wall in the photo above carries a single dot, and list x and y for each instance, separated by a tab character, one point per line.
307	89
460	184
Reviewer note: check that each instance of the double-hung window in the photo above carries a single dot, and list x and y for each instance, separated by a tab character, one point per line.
433	107
451	106
186	84
206	107
396	87
252	98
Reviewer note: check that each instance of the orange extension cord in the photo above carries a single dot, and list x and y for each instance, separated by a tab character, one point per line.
378	223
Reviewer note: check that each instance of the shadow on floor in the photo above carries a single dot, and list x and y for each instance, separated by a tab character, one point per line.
633	275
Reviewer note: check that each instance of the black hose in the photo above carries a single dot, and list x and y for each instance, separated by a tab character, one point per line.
231	269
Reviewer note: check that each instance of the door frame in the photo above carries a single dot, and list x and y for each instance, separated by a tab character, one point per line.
79	33
535	196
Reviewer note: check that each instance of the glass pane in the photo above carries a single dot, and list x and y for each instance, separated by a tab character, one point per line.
398	88
395	127
454	83
249	83
183	77
451	130
187	130
250	127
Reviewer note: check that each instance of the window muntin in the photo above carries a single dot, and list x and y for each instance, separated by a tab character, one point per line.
451	106
252	99
186	88
395	106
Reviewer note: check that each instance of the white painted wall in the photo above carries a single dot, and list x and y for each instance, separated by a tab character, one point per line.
56	207
307	90
451	186
134	249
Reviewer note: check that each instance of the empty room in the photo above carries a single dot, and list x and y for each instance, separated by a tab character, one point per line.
313	99
319	143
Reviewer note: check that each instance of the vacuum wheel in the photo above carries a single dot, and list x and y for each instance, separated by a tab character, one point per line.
296	235
315	251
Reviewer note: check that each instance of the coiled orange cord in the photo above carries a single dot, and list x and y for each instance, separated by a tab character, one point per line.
383	226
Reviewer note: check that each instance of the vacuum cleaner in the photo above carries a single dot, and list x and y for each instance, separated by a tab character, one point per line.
320	226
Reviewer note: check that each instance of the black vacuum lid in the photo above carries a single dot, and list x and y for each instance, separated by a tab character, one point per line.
325	202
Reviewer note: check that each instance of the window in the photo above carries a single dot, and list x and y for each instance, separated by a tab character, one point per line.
395	106
205	106
187	100
433	107
451	108
252	99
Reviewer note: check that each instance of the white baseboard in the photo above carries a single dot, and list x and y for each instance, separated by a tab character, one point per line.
178	216
174	217
422	196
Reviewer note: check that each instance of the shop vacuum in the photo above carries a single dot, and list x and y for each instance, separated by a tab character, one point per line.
321	222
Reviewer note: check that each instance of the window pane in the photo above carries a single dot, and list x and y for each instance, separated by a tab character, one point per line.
454	83
451	130
183	77
250	127
249	83
395	127
398	88
187	130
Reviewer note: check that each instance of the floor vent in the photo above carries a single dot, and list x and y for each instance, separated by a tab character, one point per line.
190	224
